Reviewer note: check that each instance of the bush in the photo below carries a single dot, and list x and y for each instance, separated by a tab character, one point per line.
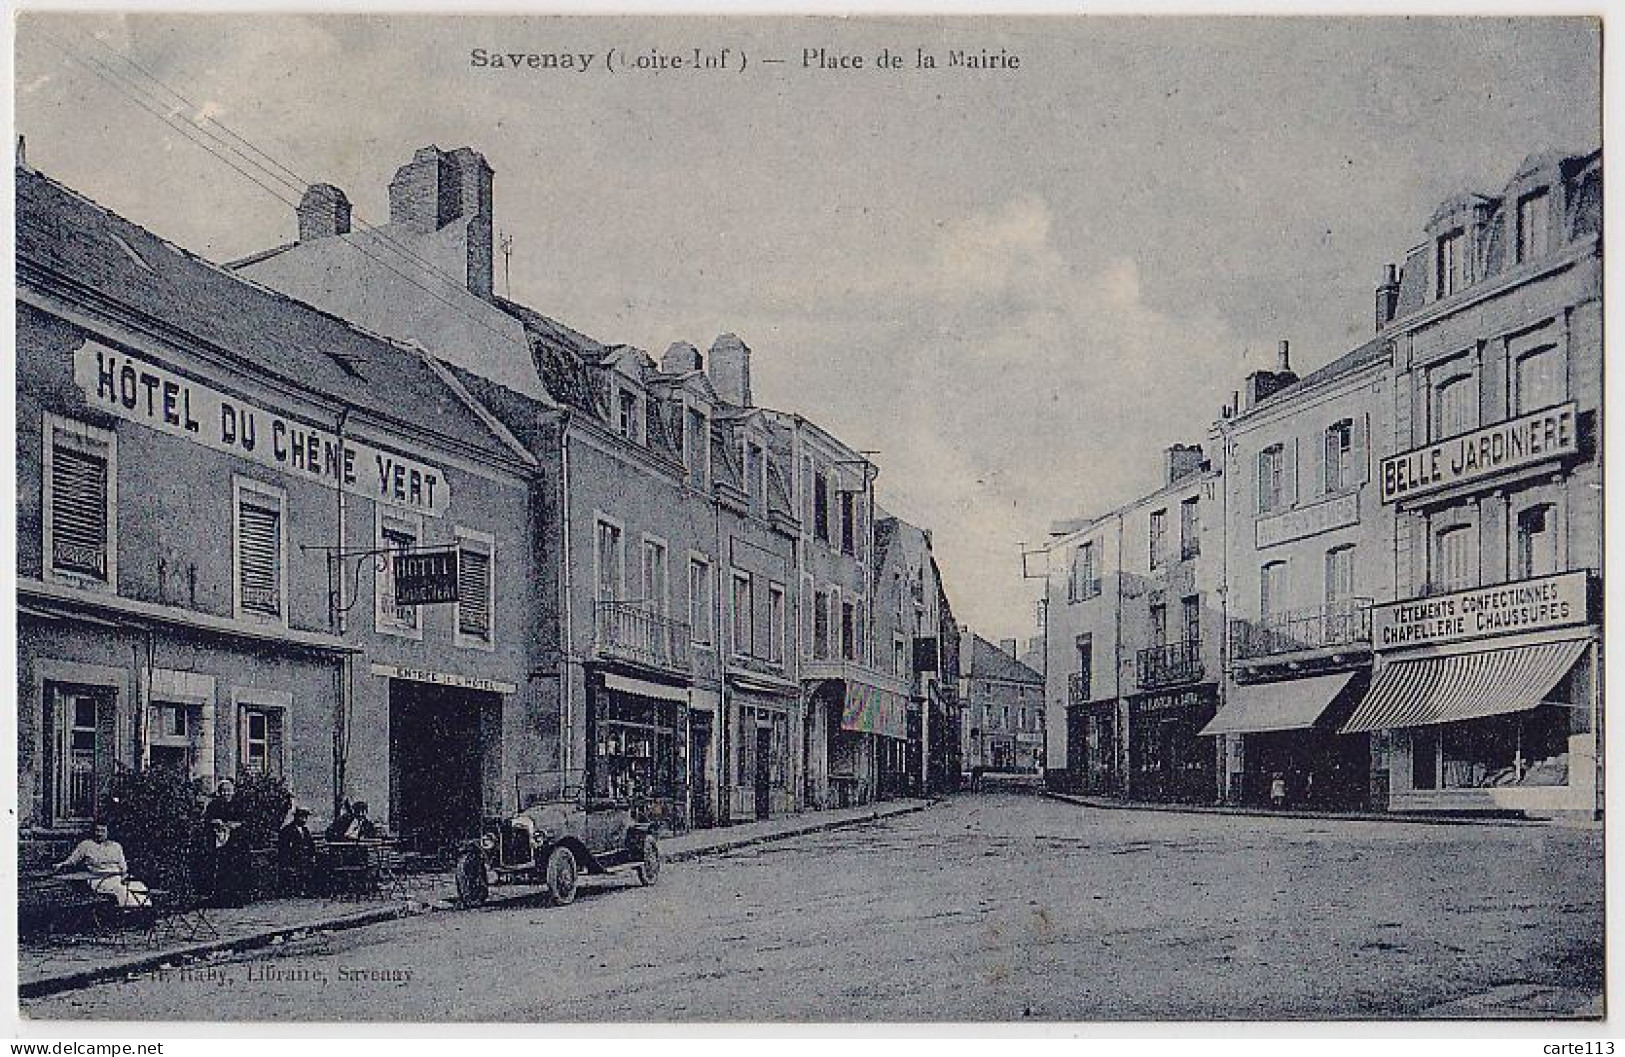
156	815
265	801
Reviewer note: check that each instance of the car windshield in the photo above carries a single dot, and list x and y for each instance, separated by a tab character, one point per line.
548	787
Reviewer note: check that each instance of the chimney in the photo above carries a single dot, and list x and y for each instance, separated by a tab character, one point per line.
436	188
680	358
1183	460
1387	297
1283	357
730	370
323	212
22	153
1261	385
1008	646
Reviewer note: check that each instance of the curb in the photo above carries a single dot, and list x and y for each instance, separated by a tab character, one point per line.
147	963
1103	804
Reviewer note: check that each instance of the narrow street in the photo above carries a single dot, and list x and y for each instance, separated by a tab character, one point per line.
995	906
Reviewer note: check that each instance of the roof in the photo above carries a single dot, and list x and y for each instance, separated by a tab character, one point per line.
987	661
65	233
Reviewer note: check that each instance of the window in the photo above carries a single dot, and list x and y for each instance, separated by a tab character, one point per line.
609	557
755	471
1159	625
1450	263
260	553
1534	214
1159	538
1271	465
1191	617
626	420
1537	542
1085	579
744	638
820	635
475	587
899	663
655	595
81	752
1338	456
81	489
696	437
396	532
1086	666
699	600
775	623
1271	589
1538	380
849	639
1425	758
820	516
1455	404
171	737
1190	529
848	523
260	748
1453	566
1339	575
861	653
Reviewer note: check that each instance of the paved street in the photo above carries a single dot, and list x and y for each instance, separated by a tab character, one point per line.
986	907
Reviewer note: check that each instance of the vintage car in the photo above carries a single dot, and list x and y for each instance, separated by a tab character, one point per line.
559	833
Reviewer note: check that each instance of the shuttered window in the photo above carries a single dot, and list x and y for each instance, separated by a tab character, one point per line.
261	748
259	555
474	593
79	511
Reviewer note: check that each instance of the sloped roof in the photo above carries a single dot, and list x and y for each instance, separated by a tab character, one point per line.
987	661
63	232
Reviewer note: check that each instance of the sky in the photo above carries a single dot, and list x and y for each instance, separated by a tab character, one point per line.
1018	286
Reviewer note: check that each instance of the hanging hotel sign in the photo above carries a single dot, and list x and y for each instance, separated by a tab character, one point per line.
1547	434
1539	604
150	396
1324	516
423	577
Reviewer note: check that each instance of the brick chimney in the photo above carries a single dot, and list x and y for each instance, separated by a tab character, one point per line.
730	370
437	188
1261	385
1008	646
323	212
1387	297
681	358
1183	460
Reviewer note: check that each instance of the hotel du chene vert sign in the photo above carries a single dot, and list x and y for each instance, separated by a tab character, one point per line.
1542	603
1549	433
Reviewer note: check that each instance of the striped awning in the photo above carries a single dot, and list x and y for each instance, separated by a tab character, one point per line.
1462	686
873	710
1296	704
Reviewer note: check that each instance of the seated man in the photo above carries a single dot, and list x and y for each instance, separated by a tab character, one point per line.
353	824
103	858
296	854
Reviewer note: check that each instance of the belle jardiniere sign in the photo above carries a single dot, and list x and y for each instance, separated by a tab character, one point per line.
151	396
1523	441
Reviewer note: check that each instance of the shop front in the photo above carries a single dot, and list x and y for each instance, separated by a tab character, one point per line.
764	773
869	744
1092	747
1169	760
1287	731
1465	719
637	746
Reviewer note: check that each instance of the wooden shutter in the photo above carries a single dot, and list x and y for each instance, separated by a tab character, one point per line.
273	742
1261	482
106	748
1359	444
259	543
79	511
474	593
1289	474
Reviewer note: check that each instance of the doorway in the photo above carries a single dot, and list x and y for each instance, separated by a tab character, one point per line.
436	758
764	785
699	768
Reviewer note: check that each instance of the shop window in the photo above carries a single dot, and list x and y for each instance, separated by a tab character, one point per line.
635	751
475	589
654	576
1271	478
260	552
260	741
80	750
1538	380
396	533
1190	529
1454	567
1537	542
609	557
1523	749
699	601
80	502
1338	456
1159	538
1450	263
1455	406
1534	218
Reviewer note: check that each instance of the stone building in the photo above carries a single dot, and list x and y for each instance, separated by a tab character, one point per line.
1003	708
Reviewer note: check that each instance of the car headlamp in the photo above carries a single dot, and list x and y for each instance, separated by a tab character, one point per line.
488	843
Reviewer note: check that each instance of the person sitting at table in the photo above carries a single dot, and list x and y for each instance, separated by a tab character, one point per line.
296	854
103	858
353	823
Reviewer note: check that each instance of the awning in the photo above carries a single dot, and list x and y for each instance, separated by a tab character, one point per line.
1295	704
871	710
1462	686
644	688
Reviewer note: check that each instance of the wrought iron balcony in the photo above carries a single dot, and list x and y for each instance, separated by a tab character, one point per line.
1170	665
630	632
1077	689
1344	624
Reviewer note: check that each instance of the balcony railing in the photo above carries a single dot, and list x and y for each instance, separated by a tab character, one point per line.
1170	665
1346	624
1077	689
629	632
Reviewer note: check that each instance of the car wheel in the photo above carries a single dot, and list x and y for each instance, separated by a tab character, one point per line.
472	886
561	876
649	867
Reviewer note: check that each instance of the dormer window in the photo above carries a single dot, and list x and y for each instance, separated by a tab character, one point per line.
1450	263
626	417
1534	214
694	438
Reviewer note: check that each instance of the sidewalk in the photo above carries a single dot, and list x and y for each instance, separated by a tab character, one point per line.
46	968
1110	804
